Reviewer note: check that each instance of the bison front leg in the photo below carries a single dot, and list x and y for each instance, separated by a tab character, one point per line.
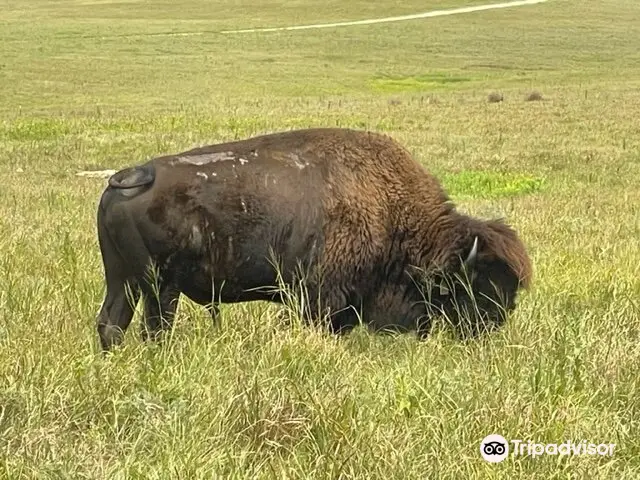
159	312
329	307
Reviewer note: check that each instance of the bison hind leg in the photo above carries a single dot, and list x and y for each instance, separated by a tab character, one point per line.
116	313
121	296
160	306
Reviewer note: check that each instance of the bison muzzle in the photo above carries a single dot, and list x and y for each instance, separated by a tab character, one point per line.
346	219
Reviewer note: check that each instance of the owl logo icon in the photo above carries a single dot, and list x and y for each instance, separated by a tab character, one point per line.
494	448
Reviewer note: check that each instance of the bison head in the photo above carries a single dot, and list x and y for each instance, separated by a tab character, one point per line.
478	288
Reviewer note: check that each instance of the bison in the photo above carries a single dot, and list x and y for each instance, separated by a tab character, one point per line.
347	220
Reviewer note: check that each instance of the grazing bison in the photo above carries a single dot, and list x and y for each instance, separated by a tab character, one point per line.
348	214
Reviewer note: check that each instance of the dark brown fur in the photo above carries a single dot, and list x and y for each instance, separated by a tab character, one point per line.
352	212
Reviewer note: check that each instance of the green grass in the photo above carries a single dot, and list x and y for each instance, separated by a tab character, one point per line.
84	85
479	184
416	83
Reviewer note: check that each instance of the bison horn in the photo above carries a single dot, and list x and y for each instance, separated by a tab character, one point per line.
473	254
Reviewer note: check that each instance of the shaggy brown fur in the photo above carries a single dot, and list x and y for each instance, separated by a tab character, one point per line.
350	211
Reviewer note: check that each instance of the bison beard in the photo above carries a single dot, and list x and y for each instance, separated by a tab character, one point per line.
370	231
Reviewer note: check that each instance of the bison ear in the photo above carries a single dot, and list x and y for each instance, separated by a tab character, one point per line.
472	258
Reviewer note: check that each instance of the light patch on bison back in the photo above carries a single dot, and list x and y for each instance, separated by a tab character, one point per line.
205	158
298	162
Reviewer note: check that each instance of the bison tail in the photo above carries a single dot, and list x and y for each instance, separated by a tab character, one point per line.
132	177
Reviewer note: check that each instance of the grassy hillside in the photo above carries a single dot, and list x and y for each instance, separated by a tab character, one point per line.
100	85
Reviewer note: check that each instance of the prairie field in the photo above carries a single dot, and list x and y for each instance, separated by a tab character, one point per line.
88	85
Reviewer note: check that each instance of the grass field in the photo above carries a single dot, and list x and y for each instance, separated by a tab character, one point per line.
92	85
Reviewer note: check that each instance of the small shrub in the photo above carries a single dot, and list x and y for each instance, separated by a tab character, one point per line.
495	97
534	96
